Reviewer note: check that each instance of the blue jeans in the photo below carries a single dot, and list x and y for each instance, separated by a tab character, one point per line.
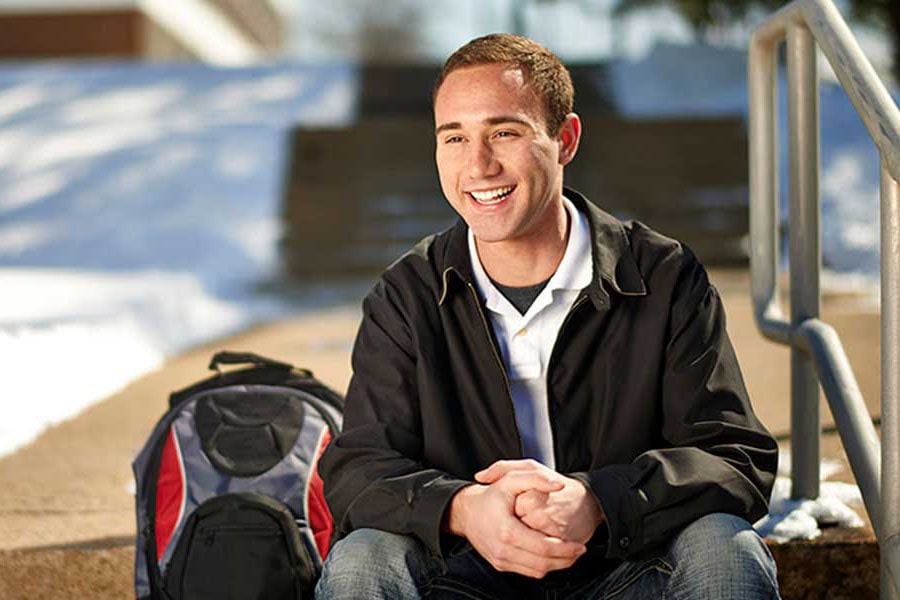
718	557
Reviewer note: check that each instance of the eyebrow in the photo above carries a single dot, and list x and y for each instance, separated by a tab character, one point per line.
489	121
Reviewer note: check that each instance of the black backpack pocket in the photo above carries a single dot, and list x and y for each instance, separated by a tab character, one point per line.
242	546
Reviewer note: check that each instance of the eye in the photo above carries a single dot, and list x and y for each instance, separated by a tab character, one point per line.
505	133
453	139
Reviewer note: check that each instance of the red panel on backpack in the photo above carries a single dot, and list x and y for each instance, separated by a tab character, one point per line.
169	493
320	519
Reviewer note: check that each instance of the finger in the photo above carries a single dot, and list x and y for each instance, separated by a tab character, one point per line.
530	501
520	536
502	467
541	523
486	477
534	565
522	481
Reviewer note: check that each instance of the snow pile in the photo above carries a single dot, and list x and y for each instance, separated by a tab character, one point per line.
138	216
68	338
800	519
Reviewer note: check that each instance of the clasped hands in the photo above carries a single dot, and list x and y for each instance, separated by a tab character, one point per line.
525	518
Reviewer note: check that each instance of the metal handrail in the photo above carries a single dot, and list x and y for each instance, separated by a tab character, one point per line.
817	355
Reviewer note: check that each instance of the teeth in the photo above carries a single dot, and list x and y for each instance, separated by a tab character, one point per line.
492	194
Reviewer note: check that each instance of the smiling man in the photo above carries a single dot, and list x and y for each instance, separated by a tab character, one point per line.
545	402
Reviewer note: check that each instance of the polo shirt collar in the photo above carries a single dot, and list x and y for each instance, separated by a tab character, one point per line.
573	272
613	264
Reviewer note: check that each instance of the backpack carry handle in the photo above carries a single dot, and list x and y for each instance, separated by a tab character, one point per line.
249	358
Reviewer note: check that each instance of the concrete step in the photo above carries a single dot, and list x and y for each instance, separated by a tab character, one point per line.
840	564
100	570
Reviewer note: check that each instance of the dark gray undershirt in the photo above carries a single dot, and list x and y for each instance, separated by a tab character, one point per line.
521	297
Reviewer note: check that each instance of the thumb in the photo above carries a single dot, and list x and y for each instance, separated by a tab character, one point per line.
488	476
522	481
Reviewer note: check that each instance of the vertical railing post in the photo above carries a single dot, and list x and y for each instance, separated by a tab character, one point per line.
890	381
807	24
803	115
762	85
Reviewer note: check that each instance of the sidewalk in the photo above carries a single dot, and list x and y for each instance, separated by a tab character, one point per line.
66	509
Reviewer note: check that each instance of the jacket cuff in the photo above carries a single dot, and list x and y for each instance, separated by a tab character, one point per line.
621	504
429	508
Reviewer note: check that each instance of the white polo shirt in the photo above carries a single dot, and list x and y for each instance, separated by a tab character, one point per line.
526	341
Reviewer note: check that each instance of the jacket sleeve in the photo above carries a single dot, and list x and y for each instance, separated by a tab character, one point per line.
372	471
718	458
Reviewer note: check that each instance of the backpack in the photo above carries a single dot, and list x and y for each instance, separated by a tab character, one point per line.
229	501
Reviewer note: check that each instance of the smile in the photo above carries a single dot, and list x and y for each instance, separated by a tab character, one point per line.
494	196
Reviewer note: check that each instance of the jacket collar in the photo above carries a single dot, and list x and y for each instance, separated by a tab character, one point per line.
611	256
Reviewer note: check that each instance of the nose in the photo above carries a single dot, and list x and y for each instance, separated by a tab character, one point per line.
482	160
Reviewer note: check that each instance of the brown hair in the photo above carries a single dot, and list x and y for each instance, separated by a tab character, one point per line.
542	70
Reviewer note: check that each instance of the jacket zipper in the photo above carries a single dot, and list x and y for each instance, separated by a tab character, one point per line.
487	330
578	302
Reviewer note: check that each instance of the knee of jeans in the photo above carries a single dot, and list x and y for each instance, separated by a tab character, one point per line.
722	543
371	559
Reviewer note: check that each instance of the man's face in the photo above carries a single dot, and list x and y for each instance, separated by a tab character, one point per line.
499	168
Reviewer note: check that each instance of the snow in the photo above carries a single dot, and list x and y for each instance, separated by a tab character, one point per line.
138	217
68	338
660	84
801	519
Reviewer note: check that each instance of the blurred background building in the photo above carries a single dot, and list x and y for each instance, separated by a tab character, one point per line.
216	31
421	31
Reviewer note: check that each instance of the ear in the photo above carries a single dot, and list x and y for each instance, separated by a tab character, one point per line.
568	138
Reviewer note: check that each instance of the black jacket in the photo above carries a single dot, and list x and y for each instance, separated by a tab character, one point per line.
646	399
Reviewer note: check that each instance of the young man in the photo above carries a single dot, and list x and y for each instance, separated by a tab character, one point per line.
545	402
